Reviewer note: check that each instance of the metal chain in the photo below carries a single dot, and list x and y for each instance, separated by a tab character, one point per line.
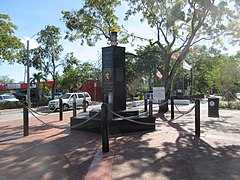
161	104
190	110
128	119
178	109
46	124
77	125
118	115
43	114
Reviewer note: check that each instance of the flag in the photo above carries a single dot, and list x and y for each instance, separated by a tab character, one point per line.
186	65
174	57
158	73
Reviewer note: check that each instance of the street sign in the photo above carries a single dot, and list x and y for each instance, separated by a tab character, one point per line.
159	93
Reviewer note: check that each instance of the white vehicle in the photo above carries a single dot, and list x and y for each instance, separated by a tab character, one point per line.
68	100
238	95
8	98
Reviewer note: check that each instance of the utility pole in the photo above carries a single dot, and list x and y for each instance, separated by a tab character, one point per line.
28	77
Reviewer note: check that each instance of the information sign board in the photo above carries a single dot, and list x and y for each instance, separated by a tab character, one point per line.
159	93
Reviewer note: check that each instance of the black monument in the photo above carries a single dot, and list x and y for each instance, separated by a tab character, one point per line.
114	94
113	77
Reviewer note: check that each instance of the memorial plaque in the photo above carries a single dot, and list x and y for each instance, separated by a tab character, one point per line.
119	74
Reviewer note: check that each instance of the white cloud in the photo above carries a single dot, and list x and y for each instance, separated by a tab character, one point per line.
83	53
32	42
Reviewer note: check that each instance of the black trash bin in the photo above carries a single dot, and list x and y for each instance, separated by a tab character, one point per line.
213	107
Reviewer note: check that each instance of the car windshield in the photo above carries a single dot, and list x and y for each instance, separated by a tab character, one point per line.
7	97
66	96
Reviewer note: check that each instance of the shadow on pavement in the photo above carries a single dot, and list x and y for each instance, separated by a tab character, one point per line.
162	155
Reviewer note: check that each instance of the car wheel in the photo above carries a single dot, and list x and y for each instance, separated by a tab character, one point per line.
65	107
87	104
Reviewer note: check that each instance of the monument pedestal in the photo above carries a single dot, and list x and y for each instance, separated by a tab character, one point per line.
116	125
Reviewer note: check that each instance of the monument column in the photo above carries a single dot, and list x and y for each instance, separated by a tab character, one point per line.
113	76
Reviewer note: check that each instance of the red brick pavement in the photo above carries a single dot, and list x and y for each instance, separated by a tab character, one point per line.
49	152
170	152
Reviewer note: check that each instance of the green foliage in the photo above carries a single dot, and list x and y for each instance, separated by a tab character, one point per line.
227	75
10	46
37	78
95	19
229	104
69	61
178	26
143	66
47	56
78	75
204	62
5	80
10	105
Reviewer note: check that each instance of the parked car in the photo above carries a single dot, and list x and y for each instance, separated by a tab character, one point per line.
8	98
68	100
56	96
20	96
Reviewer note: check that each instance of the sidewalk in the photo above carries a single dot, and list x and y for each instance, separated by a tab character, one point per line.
170	152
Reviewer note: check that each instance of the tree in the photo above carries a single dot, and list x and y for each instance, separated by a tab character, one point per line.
203	61
69	61
37	78
78	75
47	56
70	77
94	20
10	45
178	26
227	76
5	80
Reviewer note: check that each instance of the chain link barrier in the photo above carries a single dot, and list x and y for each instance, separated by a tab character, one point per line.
182	114
114	113
178	109
44	123
52	126
131	120
144	123
78	125
45	114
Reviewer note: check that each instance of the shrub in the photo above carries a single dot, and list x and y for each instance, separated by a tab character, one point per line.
230	104
10	105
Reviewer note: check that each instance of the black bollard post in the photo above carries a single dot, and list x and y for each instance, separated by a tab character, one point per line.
105	128
25	119
84	104
197	117
145	102
172	107
74	106
60	109
150	108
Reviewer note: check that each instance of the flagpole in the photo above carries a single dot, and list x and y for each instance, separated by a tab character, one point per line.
183	85
155	76
192	82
